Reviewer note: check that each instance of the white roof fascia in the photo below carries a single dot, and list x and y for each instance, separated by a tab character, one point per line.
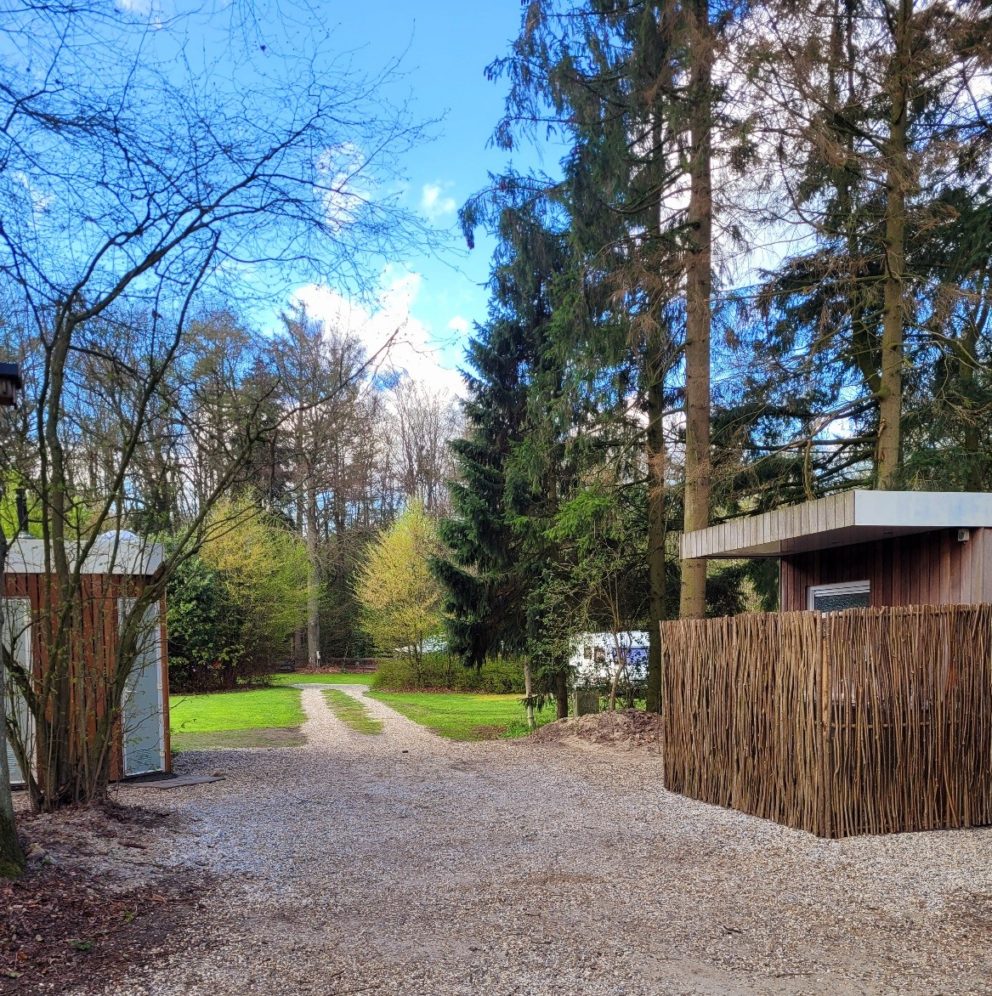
839	520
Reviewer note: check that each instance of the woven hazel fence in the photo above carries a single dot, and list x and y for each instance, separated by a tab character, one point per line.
864	721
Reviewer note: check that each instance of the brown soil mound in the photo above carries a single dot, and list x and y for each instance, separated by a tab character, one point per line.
626	728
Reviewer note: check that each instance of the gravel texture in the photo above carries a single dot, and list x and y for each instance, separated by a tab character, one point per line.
405	863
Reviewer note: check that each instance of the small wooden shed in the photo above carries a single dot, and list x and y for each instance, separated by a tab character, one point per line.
866	549
116	570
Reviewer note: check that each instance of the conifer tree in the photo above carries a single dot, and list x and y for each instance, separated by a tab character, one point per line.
875	121
508	464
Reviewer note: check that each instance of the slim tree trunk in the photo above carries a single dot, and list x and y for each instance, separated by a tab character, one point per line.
972	436
889	457
698	293
313	578
561	695
529	694
11	856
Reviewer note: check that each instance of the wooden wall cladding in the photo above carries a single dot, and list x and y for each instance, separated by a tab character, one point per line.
931	568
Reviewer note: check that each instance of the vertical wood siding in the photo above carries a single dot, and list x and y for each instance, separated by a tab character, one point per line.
922	569
95	650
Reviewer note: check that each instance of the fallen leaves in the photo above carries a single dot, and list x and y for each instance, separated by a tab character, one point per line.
64	922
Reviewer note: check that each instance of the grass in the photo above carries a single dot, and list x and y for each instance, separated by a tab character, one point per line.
351	712
463	716
263	717
281	680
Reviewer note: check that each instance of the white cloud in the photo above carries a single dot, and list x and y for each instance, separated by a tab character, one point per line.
342	184
399	343
458	324
150	10
435	203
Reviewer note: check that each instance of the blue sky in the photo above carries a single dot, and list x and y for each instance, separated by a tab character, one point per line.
445	47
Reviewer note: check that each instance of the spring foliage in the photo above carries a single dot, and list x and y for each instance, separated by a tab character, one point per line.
234	608
399	596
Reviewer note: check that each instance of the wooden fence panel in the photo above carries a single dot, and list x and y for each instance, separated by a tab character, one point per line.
865	721
743	714
911	718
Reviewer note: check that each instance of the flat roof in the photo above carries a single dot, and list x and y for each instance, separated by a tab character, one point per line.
839	520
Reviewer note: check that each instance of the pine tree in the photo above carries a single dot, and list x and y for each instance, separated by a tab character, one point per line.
508	463
484	601
876	115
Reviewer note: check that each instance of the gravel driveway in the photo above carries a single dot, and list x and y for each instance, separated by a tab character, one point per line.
405	863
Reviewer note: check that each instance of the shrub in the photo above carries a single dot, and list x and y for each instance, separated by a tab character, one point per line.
442	672
204	629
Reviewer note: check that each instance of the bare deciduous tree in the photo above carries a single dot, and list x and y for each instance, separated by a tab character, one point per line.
141	188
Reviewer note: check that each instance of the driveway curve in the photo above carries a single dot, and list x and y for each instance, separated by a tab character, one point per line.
406	863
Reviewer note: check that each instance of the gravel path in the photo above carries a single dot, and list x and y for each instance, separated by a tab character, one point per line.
405	863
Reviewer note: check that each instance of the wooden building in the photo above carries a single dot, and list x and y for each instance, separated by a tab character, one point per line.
865	705
117	568
866	549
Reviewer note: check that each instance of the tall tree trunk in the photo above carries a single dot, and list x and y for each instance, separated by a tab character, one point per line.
972	437
11	856
313	577
57	778
698	293
889	456
656	522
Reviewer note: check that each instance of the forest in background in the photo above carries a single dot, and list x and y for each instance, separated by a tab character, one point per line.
332	447
760	273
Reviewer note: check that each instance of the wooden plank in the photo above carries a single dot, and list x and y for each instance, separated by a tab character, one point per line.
947	589
963	571
896	577
983	568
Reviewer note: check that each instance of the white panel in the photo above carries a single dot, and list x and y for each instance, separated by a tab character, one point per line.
125	554
838	520
15	622
924	509
141	708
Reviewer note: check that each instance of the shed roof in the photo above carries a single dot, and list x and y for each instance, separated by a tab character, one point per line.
126	554
839	520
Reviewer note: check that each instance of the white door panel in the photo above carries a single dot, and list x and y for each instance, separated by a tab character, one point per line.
15	632
142	706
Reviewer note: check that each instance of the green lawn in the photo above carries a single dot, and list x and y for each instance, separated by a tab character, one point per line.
263	717
462	716
319	679
351	712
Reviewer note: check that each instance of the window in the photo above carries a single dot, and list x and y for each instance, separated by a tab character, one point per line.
836	597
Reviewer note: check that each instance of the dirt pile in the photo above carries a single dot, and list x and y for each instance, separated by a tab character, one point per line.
626	729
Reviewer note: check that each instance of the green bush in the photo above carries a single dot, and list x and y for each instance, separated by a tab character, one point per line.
205	652
442	672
